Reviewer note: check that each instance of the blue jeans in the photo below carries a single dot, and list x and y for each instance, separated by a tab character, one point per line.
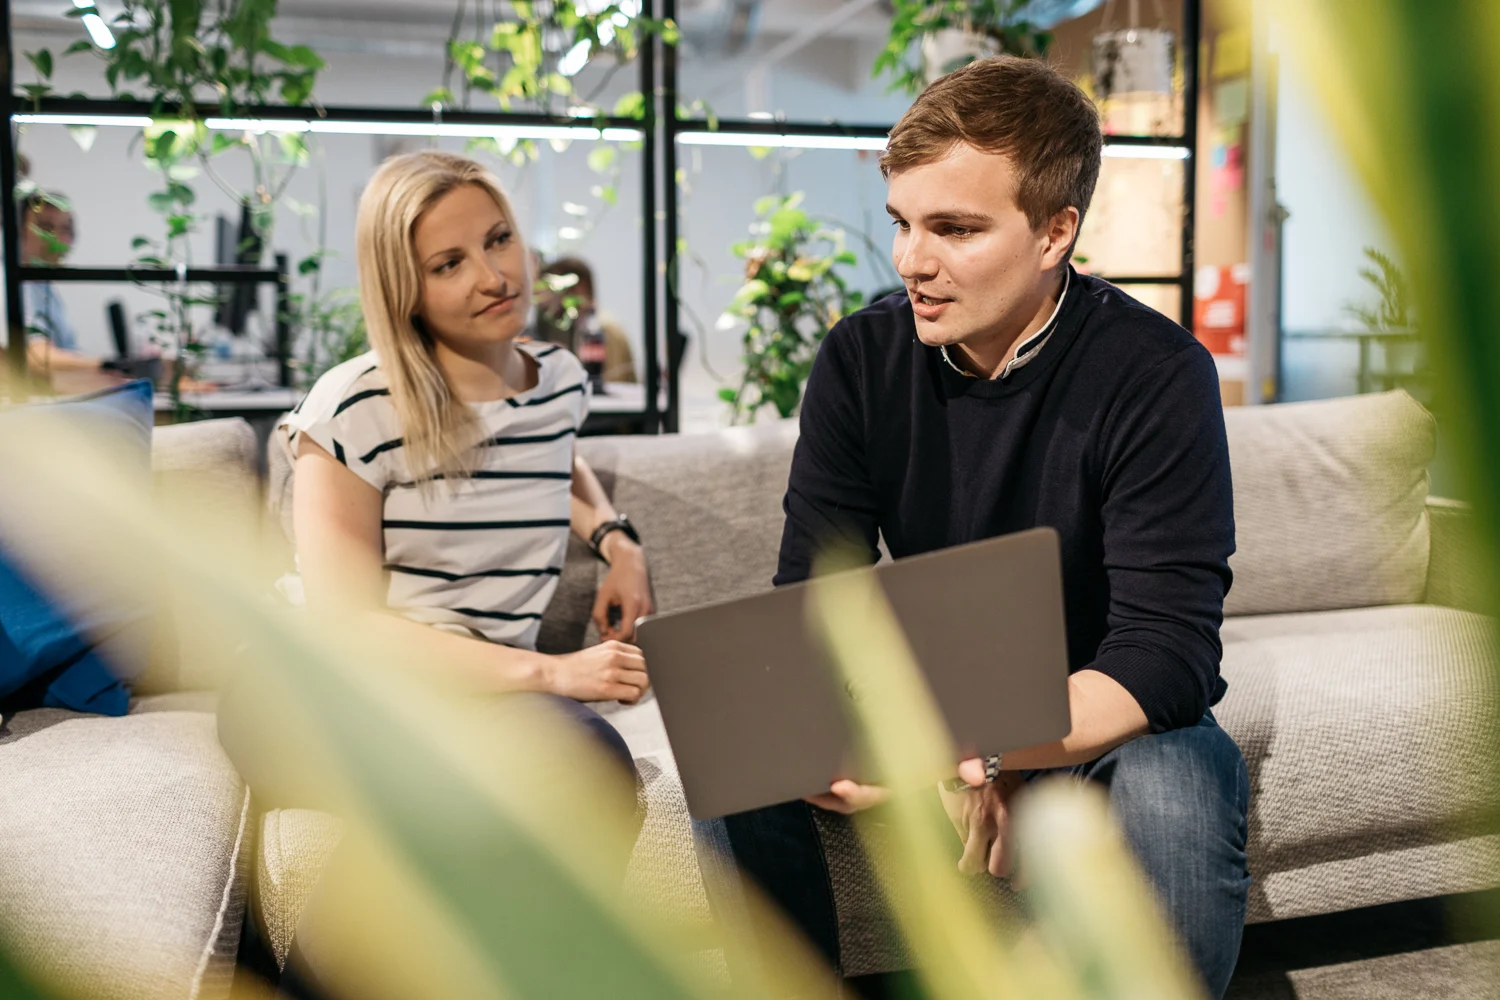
1181	798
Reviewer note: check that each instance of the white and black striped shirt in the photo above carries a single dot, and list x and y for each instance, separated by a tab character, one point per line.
483	553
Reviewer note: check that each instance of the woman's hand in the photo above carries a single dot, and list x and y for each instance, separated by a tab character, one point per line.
626	587
610	671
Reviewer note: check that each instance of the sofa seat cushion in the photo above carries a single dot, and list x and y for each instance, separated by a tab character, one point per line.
663	873
121	843
294	847
1365	732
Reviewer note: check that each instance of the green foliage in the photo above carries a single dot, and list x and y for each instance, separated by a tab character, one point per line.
792	295
1392	310
1002	22
330	326
511	63
190	52
186	54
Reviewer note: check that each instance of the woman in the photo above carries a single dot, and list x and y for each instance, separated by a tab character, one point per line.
445	457
436	476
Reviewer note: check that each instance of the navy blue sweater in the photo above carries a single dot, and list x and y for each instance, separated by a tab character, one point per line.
1113	435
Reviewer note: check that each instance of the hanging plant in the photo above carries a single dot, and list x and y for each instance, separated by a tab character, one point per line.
792	296
996	27
531	57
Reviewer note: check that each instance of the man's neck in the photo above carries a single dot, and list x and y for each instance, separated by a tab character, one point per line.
987	354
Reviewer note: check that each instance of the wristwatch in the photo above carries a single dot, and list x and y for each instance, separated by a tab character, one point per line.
992	765
619	523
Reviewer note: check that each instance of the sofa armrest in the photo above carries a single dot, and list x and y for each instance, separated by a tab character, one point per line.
1457	572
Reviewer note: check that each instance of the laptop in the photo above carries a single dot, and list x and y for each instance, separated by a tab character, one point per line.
755	714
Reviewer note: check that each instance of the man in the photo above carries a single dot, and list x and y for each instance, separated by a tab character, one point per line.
1004	391
555	322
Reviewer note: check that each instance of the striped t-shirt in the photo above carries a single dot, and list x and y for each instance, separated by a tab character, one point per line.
482	553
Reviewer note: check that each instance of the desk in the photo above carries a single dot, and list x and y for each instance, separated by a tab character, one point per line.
1402	362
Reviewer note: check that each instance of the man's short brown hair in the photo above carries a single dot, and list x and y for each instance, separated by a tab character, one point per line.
1022	108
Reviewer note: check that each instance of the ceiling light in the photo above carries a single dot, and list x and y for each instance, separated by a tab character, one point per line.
98	30
332	126
1145	152
127	121
788	140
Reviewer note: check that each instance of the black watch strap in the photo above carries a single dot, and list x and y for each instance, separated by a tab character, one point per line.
618	523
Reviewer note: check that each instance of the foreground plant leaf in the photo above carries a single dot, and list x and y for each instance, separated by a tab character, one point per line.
455	841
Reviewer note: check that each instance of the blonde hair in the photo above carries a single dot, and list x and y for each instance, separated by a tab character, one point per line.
439	430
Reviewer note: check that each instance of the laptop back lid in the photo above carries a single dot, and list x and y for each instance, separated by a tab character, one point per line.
756	716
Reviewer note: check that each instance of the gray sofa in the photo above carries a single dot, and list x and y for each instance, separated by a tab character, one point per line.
1360	689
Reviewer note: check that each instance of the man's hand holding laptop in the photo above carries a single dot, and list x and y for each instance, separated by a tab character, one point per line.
980	814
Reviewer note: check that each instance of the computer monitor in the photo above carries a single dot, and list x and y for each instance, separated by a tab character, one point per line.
236	245
119	329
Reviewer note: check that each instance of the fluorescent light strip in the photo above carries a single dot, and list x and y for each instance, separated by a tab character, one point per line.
328	126
98	30
337	127
1145	152
127	121
781	141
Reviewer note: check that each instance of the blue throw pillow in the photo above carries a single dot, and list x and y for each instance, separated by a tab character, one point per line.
76	650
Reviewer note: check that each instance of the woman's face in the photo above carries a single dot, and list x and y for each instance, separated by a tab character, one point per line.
476	289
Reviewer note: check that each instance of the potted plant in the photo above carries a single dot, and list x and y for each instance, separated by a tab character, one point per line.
928	40
792	295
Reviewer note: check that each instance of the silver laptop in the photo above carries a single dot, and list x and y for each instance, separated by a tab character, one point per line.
754	712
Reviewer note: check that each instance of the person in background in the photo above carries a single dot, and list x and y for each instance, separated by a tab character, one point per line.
564	311
46	238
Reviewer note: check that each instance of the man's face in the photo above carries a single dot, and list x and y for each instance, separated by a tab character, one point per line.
47	235
970	260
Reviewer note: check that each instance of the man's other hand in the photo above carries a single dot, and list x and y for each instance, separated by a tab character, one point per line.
849	797
981	817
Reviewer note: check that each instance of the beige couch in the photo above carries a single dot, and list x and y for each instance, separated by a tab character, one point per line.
1360	689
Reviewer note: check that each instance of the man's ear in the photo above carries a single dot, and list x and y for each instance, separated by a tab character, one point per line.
1061	233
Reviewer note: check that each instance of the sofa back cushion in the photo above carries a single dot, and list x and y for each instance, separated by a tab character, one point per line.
207	473
1329	503
708	507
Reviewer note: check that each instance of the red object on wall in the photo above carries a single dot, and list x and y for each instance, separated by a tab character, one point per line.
1219	308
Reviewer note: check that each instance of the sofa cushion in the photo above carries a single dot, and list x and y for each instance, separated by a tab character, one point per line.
295	845
206	473
122	841
663	873
1329	503
1365	732
708	507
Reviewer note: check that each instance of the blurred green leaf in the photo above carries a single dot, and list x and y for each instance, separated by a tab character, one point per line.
631	105
41	61
601	158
